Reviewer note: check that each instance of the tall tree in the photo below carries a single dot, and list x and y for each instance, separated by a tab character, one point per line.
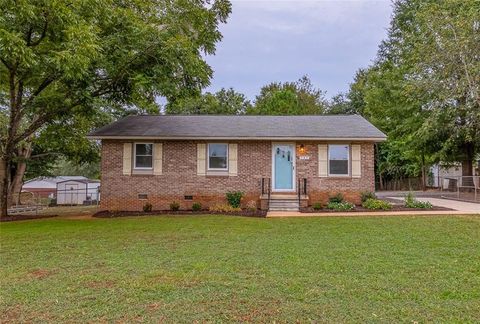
62	59
289	98
447	66
223	102
423	87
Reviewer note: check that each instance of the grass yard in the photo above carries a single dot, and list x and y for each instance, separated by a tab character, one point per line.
222	269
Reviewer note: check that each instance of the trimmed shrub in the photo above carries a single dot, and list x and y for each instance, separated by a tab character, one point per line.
147	207
234	198
340	206
411	202
317	206
251	205
423	204
224	208
365	195
174	206
338	198
196	206
375	204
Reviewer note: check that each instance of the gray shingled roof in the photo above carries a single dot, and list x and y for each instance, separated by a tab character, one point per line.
243	127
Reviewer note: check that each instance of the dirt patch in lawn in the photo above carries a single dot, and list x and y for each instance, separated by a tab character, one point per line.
110	214
101	284
155	306
11	218
264	311
12	314
41	273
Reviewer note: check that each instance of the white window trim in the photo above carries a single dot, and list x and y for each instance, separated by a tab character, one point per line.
208	158
135	156
348	161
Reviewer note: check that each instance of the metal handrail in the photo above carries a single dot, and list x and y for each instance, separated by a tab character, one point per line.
269	191
301	189
298	192
266	189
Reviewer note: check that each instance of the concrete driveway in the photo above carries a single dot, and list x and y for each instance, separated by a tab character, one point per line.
448	203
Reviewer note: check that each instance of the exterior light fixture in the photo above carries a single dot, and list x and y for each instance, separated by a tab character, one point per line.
302	148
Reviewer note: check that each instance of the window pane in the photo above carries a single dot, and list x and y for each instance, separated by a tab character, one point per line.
218	162
338	159
217	158
144	149
338	167
143	161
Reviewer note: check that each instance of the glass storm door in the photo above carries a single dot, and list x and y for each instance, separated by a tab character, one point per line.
283	159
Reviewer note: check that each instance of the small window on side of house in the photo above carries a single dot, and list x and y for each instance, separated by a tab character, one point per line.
338	159
217	156
143	156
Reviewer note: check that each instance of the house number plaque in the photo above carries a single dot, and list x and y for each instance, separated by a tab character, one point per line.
304	157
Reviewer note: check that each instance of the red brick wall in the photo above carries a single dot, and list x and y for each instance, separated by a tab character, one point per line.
319	189
179	178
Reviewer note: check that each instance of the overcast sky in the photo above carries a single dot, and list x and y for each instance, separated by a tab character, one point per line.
265	41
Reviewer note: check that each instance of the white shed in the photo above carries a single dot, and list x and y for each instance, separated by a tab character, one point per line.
77	192
47	186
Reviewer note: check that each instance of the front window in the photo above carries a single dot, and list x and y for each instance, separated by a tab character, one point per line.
143	155
338	156
217	156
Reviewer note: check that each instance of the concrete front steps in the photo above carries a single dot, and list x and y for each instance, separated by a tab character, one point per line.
283	202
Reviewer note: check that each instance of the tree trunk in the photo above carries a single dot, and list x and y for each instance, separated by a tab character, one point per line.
17	180
4	165
376	166
467	165
424	174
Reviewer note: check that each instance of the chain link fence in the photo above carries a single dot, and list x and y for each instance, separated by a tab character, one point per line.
465	188
38	200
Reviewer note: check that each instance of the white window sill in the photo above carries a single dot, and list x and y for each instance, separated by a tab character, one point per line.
217	173
335	177
142	171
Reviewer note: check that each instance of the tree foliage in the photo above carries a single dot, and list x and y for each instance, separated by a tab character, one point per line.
64	59
422	89
289	98
222	102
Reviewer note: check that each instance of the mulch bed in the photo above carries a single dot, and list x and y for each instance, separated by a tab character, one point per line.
111	214
362	209
19	217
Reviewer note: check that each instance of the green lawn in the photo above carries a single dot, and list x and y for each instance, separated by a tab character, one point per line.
222	269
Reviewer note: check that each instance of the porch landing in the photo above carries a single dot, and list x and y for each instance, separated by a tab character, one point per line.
284	202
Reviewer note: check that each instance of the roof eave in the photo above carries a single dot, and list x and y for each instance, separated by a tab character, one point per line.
245	138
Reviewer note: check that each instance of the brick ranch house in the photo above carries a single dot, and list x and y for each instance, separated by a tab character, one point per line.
274	160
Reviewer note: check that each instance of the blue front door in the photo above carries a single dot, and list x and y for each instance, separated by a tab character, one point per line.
283	159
